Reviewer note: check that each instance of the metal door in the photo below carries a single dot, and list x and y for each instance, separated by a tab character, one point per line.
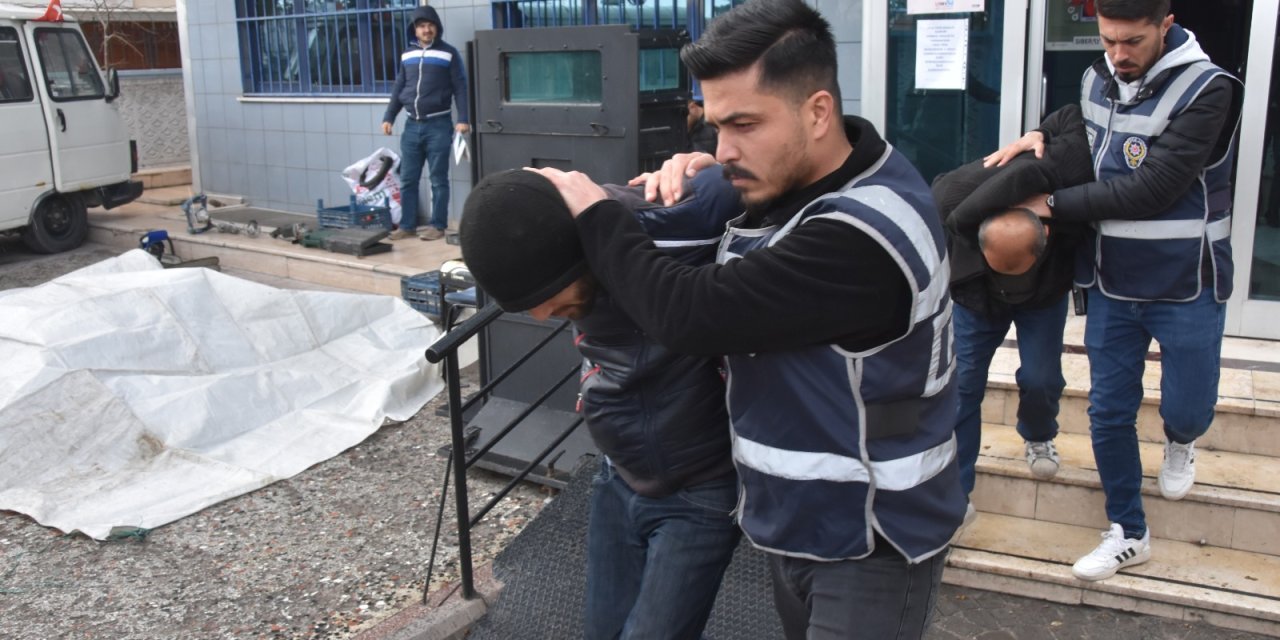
561	97
88	139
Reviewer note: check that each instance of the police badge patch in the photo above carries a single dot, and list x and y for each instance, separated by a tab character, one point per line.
1135	151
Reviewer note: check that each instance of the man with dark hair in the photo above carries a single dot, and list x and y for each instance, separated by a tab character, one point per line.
661	531
702	136
830	299
1162	121
1008	268
430	78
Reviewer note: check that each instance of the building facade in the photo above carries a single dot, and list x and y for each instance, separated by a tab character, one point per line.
283	94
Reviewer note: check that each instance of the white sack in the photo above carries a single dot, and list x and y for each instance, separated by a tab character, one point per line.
133	395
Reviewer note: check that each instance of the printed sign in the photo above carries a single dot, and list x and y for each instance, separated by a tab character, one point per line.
942	54
947	6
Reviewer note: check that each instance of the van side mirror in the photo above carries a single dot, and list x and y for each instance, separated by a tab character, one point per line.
113	85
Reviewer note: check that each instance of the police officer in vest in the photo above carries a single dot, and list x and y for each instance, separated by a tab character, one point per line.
660	534
830	299
1162	122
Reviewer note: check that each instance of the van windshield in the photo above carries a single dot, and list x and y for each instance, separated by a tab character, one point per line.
69	70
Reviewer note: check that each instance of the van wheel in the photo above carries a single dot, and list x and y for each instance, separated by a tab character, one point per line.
59	224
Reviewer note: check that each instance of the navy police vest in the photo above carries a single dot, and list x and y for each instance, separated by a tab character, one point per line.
1158	257
831	446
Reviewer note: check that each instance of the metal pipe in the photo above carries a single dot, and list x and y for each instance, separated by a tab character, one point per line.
459	474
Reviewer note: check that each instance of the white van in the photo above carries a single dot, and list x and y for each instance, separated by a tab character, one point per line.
63	145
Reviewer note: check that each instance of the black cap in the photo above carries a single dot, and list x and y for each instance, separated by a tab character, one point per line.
519	240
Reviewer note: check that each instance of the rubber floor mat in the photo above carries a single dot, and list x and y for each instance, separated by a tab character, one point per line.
544	572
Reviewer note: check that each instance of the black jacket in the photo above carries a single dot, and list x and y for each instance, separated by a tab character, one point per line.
972	193
810	288
1199	136
659	415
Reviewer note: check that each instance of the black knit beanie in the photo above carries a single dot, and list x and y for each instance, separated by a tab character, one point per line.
519	240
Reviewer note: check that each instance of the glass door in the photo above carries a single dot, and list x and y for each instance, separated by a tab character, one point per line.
943	80
1255	237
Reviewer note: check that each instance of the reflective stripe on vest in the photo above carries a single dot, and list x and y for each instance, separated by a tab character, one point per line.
1157	257
833	447
891	475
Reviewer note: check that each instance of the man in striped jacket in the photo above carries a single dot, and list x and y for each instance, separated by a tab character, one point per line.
429	80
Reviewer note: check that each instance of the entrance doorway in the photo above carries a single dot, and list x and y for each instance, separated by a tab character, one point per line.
1071	44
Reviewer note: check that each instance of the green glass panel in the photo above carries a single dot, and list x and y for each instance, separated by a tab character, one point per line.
553	76
659	69
939	130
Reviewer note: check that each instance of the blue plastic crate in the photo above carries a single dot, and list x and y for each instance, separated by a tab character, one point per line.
422	292
353	215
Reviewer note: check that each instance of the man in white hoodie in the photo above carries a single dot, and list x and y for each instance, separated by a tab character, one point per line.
1162	123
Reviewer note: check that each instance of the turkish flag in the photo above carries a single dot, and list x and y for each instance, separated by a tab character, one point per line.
53	13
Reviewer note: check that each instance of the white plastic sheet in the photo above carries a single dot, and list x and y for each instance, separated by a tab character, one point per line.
133	395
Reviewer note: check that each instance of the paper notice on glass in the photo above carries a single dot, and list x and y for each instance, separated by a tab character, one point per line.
942	54
944	6
460	148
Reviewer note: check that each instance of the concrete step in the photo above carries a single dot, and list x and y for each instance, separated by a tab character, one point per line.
381	274
1247	410
1184	581
166	196
1235	503
158	177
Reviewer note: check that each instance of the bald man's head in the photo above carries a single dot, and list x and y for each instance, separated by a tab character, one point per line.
1012	241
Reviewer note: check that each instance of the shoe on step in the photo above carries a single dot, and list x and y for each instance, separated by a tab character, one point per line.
1116	552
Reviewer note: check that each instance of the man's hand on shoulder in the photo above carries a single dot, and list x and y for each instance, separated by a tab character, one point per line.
1031	141
578	191
667	182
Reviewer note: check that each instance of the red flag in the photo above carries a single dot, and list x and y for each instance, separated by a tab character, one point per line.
53	13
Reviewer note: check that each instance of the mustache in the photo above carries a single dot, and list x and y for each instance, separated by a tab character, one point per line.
732	171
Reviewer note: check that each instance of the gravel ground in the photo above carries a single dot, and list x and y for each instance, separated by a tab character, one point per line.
344	545
324	554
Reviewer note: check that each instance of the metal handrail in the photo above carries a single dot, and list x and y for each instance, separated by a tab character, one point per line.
446	349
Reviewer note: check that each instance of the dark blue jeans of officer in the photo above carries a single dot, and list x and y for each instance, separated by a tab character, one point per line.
425	142
1039	374
879	597
654	564
1117	335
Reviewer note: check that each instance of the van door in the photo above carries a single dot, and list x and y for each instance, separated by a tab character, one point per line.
25	168
88	139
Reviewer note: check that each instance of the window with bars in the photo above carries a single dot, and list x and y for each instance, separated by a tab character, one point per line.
322	47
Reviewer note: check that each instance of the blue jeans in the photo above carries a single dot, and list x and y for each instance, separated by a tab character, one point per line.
654	564
880	596
1039	374
425	141
1117	335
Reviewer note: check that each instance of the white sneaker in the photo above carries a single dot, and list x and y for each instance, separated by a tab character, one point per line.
1178	471
1116	552
1042	457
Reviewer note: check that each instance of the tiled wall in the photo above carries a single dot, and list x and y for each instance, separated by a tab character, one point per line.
285	155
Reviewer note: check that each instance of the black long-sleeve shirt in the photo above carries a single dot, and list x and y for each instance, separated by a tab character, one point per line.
824	282
1200	133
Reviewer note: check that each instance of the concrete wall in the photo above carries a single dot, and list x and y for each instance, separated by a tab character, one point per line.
155	112
286	153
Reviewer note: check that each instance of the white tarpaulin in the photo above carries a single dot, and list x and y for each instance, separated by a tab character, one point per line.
133	395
